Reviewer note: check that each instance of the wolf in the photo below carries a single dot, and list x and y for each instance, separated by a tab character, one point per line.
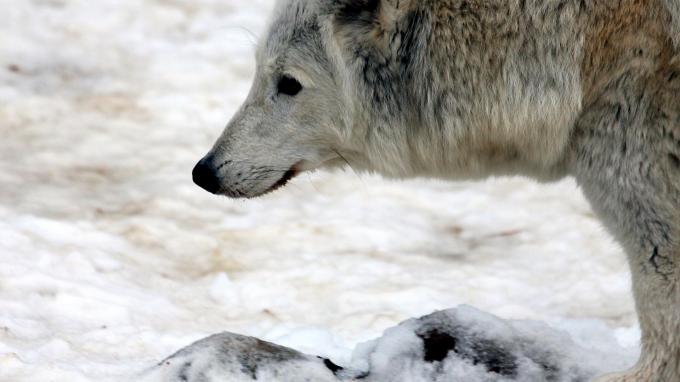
466	89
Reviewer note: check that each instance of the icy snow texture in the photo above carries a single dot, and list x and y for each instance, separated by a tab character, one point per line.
460	344
110	259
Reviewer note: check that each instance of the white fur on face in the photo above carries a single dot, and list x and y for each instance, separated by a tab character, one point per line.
274	136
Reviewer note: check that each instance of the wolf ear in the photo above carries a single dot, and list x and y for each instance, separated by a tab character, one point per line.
356	12
370	19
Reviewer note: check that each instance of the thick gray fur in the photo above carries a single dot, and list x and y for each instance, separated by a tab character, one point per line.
459	89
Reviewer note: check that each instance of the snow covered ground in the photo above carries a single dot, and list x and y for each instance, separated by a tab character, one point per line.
111	259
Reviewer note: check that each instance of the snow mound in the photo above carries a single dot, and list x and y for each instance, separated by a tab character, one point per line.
458	344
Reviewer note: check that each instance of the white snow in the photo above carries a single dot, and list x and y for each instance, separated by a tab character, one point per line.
111	259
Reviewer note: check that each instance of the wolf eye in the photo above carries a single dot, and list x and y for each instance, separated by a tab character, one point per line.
289	86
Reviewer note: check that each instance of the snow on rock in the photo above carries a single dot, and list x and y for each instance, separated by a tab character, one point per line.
231	357
455	344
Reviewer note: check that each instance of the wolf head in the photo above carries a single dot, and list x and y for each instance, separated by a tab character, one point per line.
304	110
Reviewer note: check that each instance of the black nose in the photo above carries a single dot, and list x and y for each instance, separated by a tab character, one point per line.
205	176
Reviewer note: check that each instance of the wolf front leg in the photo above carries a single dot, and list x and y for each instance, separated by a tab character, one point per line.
626	157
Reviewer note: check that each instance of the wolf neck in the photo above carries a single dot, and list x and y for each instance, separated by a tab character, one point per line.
461	89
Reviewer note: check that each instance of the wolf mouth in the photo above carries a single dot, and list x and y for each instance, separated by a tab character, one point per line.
287	177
